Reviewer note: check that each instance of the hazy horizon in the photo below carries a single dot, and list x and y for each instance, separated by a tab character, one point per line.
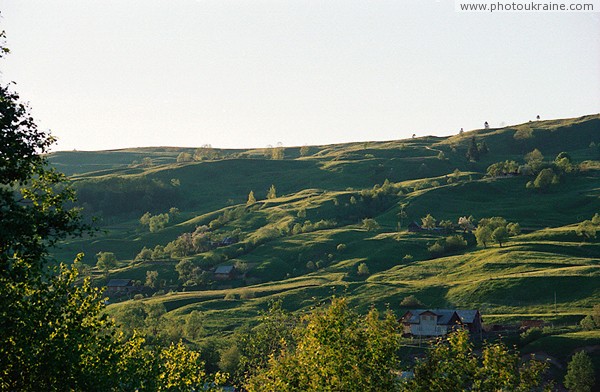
234	74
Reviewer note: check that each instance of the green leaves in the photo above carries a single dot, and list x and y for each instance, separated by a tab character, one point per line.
453	365
336	350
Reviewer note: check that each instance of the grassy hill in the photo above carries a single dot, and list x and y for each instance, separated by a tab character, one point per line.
307	243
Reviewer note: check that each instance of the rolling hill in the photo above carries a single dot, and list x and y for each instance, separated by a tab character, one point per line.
307	242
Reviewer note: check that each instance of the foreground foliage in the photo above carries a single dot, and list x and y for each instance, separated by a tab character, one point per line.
336	350
453	365
52	334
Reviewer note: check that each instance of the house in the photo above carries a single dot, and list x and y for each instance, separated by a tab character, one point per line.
414	227
439	322
224	272
119	286
227	241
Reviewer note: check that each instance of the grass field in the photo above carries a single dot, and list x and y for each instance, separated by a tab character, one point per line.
547	272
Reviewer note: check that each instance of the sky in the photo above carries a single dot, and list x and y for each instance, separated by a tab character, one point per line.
108	74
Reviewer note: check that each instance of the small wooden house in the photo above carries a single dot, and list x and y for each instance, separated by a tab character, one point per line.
119	286
224	272
414	227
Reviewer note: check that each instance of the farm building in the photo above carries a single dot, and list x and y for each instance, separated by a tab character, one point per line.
439	322
414	227
224	272
119	286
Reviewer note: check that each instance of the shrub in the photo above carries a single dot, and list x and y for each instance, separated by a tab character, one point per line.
230	297
437	249
370	224
531	335
363	270
455	242
411	302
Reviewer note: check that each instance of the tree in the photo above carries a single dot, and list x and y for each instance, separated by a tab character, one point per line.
205	152
447	225
473	151
483	148
251	198
158	222
370	224
363	270
106	261
411	302
500	235
513	229
278	152
184	157
428	222
304	151
272	194
152	279
544	179
441	156
580	373
586	229
483	235
534	159
254	347
452	365
145	219
587	323
53	334
185	269
596	315
465	223
336	350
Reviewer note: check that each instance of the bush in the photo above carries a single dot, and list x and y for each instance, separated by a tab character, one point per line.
411	302
363	270
531	335
437	249
454	243
247	294
587	323
370	224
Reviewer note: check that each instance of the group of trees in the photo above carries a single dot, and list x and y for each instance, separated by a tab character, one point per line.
476	150
545	173
334	348
206	152
160	221
495	229
53	334
271	194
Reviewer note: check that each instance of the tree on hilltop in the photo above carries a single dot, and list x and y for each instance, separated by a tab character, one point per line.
251	198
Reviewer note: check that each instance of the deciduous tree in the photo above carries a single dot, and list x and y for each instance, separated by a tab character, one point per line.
580	373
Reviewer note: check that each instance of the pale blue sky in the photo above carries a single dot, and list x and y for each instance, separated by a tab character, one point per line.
247	73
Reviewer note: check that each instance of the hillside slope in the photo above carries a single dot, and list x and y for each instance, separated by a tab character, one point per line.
309	241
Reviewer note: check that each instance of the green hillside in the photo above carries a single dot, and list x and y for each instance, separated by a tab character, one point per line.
308	242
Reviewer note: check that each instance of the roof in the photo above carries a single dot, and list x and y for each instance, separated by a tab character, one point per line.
224	269
467	316
119	282
444	315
